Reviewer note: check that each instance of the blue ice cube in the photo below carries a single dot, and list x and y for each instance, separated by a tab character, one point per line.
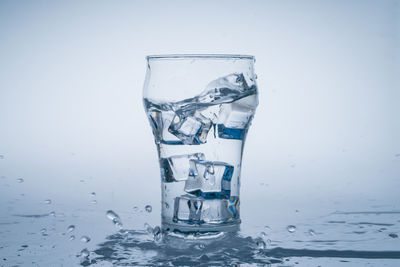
177	168
209	179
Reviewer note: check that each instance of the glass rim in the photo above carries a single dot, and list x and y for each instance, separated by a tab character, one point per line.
200	56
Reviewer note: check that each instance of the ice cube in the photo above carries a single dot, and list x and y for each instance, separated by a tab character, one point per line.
235	116
177	168
209	179
220	210
196	210
160	122
187	209
191	130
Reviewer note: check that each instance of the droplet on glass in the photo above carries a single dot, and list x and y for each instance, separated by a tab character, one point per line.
47	201
20	180
43	231
148	208
135	209
1	156
94	201
93	194
70	228
397	155
85	239
72	237
311	232
291	228
52	214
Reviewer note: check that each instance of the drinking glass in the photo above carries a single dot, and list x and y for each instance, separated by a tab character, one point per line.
200	108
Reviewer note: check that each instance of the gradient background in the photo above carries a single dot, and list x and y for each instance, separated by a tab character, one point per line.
326	134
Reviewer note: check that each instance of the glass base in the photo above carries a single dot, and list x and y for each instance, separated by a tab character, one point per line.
200	231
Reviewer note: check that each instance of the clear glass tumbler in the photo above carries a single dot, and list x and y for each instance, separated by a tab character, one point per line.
200	108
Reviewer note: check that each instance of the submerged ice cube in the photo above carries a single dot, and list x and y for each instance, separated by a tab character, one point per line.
177	168
187	209
197	210
190	129
209	179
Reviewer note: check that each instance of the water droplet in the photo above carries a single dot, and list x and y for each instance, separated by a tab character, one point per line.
43	231
47	201
115	219
93	194
148	208
157	233
397	155
393	235
311	232
20	180
291	228
148	228
85	239
53	214
135	209
84	253
260	243
263	234
94	201
70	228
111	215
1	156
72	237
